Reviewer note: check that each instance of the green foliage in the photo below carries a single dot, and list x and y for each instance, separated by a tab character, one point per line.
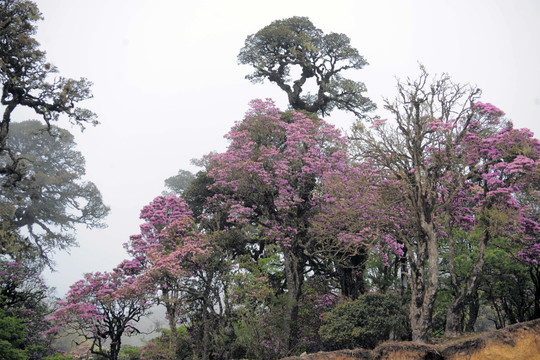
295	47
197	193
318	298
158	348
260	321
365	322
12	337
23	307
506	288
28	80
261	330
129	353
51	198
58	357
180	182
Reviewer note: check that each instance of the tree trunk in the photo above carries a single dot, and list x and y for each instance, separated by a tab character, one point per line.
535	276
351	276
453	318
474	308
294	274
170	307
116	343
463	294
424	282
206	334
404	277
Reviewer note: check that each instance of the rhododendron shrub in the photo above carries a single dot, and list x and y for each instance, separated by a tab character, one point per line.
158	347
320	296
102	308
365	322
169	252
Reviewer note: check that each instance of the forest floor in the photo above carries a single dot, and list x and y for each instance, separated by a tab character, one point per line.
515	342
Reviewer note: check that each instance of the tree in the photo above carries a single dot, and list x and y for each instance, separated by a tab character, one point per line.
295	47
27	80
24	304
501	166
506	286
51	198
180	182
529	254
270	178
457	164
12	334
102	307
168	251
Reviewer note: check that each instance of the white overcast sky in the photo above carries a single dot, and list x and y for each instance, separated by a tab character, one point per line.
167	85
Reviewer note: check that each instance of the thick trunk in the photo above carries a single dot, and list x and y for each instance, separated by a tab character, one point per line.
350	277
116	343
294	274
453	318
424	283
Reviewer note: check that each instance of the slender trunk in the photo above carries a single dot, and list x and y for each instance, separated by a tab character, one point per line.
6	119
404	273
206	334
170	307
474	308
535	276
463	294
172	329
512	319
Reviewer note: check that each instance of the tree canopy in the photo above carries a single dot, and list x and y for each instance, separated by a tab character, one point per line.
52	198
40	172
292	51
28	80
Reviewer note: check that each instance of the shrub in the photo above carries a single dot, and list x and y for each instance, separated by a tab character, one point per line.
365	322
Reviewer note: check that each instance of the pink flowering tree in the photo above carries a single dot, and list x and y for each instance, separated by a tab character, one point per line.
271	178
170	251
458	164
501	166
354	223
101	308
529	254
